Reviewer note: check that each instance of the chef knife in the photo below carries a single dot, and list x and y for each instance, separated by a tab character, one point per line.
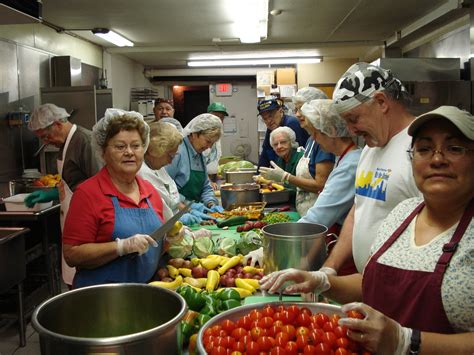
159	233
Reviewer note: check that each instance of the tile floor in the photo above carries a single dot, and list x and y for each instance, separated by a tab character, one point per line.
10	339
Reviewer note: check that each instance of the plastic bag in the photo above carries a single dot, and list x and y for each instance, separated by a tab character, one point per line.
249	241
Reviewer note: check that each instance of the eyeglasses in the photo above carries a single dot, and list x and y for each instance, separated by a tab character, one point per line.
46	133
450	152
135	147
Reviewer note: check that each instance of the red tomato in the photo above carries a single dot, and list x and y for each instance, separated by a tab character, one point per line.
268	311
341	351
222	333
291	348
274	330
216	329
266	343
290	330
228	342
220	350
278	316
306	310
323	349
218	341
239	346
253	348
280	308
208	331
301	341
302	331
281	339
245	322
330	339
246	339
238	333
278	350
255	315
329	326
303	319
340	331
321	319
278	323
342	343
289	317
355	314
316	335
257	332
209	347
309	350
265	322
228	326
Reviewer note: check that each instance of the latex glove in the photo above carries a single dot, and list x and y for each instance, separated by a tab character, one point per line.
275	174
376	332
41	196
216	208
198	206
201	215
189	219
138	243
255	256
304	281
328	270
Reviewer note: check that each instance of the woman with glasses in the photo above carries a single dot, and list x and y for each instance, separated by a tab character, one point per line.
188	168
112	213
417	286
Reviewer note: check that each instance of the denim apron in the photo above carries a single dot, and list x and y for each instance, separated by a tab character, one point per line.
128	221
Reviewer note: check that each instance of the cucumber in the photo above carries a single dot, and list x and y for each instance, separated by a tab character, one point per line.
232	221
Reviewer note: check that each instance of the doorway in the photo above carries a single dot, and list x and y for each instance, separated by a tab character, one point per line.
190	101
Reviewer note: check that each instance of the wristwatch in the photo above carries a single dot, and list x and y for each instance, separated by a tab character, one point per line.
415	342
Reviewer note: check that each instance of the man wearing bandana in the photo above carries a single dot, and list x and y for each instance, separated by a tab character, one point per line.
374	104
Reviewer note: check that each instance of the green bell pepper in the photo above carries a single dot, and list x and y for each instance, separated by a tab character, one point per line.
202	319
188	325
194	299
228	304
229	294
211	305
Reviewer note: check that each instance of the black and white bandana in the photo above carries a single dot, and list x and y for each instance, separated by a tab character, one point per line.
359	83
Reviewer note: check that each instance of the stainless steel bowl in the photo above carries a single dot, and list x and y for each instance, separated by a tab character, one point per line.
241	176
112	318
239	194
294	245
235	313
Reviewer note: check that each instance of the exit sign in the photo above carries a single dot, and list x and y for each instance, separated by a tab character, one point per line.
224	89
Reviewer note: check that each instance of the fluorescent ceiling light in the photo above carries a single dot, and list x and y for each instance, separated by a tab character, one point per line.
286	53
250	62
112	37
250	19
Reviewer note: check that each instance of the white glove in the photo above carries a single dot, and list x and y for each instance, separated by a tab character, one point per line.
328	270
275	174
376	332
303	281
138	243
255	256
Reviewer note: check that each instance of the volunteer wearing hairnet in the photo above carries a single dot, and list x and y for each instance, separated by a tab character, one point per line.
163	108
272	114
76	161
283	142
188	168
337	197
113	213
213	154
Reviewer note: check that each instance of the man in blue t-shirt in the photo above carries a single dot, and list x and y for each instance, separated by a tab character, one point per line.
271	111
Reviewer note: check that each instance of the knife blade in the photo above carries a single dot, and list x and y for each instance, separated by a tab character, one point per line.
159	233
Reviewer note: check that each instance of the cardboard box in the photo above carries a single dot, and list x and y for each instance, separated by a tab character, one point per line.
286	76
263	90
265	77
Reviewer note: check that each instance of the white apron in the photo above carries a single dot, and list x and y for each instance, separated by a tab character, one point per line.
65	195
304	199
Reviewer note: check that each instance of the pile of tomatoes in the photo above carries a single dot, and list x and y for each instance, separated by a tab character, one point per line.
281	330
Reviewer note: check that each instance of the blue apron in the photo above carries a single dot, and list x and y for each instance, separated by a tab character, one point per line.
128	221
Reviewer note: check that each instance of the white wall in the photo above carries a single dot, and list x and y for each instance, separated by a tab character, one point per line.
242	105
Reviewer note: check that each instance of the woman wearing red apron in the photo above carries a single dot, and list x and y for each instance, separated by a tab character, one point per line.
417	287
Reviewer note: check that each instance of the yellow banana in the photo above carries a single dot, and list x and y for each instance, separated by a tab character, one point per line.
173	285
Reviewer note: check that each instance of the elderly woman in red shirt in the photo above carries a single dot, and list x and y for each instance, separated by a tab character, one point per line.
112	213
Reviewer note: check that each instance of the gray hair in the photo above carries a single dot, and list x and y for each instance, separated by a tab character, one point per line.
164	136
286	131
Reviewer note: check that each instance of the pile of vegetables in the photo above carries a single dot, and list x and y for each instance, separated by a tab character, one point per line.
275	217
233	166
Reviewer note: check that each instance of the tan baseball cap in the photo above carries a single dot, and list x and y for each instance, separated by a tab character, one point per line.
463	120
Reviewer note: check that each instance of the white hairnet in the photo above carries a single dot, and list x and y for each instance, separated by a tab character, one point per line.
201	123
287	131
174	122
101	128
323	116
307	94
45	115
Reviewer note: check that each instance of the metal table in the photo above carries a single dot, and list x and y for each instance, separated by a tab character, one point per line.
43	224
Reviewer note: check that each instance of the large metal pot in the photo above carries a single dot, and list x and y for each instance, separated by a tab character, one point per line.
294	245
111	319
242	176
239	194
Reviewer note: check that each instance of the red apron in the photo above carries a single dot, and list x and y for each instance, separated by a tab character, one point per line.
412	298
